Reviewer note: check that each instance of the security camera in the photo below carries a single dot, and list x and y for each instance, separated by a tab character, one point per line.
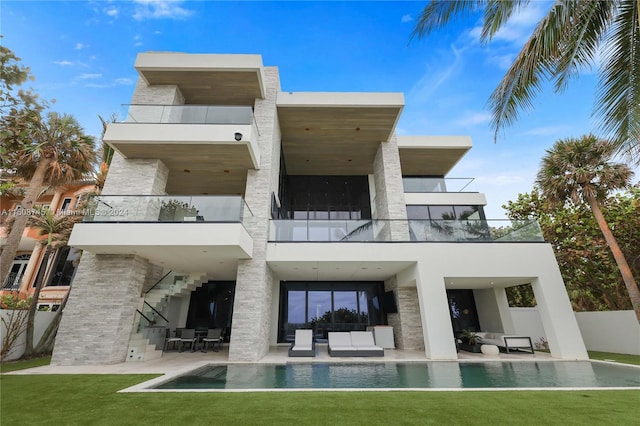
238	136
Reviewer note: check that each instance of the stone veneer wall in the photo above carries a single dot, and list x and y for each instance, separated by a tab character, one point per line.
99	316
407	323
156	95
97	321
253	293
390	203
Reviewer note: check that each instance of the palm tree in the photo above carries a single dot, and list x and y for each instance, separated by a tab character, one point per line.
569	38
57	229
51	151
582	170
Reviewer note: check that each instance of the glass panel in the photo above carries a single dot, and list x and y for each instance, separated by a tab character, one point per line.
319	312
345	311
189	114
417	212
442	212
65	267
467	212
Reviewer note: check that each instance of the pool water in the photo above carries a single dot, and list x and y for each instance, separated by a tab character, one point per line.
548	374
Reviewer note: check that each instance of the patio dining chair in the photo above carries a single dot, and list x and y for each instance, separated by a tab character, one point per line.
188	335
169	340
214	335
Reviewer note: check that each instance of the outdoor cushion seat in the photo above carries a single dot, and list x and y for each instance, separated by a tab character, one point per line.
508	343
354	343
188	335
303	344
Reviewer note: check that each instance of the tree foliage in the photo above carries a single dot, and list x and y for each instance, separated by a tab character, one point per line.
588	268
575	35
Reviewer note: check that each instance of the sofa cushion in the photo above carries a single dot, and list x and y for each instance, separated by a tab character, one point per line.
337	339
362	338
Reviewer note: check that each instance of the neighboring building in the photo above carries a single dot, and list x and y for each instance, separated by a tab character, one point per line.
33	262
231	203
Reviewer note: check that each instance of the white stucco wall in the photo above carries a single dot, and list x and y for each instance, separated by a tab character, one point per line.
41	322
611	331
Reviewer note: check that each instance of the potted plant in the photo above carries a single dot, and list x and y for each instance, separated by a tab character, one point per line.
176	211
470	341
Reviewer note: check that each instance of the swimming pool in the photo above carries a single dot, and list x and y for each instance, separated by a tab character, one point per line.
414	375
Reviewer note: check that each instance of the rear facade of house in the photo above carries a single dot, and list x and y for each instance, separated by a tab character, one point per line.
233	204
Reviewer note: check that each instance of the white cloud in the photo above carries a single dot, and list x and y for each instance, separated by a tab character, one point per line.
160	9
502	61
406	18
123	81
432	79
63	63
89	76
112	11
80	46
546	131
473	118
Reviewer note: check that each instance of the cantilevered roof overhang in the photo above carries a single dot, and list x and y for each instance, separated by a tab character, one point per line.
431	155
206	79
327	133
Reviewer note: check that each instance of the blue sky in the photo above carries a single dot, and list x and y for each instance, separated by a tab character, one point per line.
82	55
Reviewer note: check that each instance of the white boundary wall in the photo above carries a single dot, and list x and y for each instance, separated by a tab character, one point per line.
605	331
610	331
41	322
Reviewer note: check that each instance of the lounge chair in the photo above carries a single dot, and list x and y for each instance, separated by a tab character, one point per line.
214	335
303	345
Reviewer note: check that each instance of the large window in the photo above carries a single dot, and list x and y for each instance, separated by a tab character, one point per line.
211	306
325	197
329	306
64	268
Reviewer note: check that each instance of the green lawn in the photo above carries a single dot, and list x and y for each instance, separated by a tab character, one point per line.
626	359
21	365
92	399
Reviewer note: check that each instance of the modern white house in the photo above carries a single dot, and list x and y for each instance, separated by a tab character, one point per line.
233	204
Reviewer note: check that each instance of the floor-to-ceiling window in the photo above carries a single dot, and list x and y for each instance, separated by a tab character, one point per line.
329	306
211	306
462	308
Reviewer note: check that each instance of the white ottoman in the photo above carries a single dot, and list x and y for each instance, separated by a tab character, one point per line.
489	349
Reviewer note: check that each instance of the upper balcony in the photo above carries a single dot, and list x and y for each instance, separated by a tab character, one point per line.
441	191
216	144
431	155
218	79
335	133
176	232
379	230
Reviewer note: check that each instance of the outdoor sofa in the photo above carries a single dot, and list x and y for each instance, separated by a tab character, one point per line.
505	342
354	343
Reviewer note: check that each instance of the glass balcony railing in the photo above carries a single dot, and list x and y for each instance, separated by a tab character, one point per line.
405	230
166	208
420	184
188	114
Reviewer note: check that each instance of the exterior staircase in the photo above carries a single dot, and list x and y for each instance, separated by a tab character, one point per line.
148	336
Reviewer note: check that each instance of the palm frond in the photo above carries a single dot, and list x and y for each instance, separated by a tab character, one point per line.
439	13
496	15
589	21
618	95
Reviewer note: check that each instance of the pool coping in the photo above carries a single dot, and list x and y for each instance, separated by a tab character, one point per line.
147	386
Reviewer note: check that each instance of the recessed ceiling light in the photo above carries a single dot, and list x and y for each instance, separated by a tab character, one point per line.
307	129
349	160
226	171
364	268
187	171
314	268
357	129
